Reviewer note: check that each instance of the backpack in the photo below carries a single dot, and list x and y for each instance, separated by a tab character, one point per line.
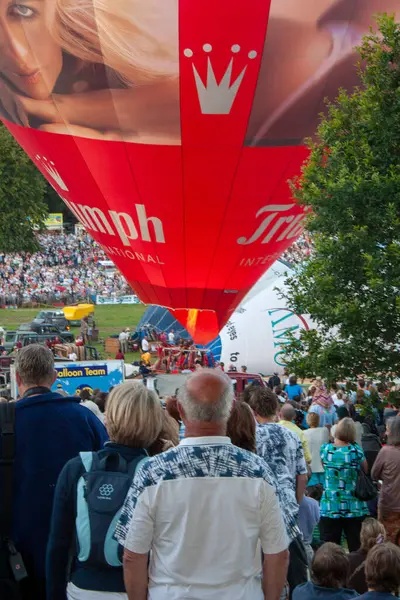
101	493
12	569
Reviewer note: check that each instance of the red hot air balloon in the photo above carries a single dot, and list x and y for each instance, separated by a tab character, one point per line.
170	128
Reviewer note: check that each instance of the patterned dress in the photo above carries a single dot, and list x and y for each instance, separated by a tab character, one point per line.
341	464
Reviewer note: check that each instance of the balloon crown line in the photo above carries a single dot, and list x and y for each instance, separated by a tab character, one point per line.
217	98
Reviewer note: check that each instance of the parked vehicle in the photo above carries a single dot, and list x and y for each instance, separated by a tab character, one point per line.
53	317
11	339
46	331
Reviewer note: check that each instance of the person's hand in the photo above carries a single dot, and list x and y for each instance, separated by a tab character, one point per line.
45	110
10	106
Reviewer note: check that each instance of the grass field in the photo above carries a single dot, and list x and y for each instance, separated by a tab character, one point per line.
109	320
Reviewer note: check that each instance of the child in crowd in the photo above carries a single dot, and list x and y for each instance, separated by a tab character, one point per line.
328	576
308	519
382	572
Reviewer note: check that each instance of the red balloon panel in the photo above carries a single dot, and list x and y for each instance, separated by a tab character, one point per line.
171	129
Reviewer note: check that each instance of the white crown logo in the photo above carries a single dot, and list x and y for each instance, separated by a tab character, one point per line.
50	168
217	98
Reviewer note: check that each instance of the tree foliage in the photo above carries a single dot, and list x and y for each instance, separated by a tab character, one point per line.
350	285
22	188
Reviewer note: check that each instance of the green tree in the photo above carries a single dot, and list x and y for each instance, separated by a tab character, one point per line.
350	285
22	188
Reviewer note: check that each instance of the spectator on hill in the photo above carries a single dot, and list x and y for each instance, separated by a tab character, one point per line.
50	429
201	508
134	421
382	572
288	414
120	355
372	533
329	573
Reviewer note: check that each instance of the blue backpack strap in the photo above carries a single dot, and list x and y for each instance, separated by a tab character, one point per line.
88	460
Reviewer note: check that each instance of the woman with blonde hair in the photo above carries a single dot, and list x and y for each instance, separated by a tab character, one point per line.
134	421
133	44
341	511
372	533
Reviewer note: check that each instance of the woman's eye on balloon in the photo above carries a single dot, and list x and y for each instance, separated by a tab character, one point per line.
21	11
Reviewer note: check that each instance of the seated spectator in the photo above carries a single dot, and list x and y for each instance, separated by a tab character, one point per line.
316	437
382	572
241	427
372	533
120	355
134	421
329	573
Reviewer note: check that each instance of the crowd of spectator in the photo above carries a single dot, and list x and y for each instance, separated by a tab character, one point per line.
67	268
298	251
198	496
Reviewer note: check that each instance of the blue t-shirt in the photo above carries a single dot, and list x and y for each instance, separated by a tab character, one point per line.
308	518
293	390
310	591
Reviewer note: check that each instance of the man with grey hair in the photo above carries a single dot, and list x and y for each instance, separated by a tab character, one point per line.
50	429
202	508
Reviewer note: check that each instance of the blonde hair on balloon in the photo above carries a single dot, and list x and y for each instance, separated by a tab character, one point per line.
138	39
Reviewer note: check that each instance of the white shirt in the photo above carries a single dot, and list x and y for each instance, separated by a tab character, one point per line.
123	336
72	356
316	437
201	508
171	337
337	401
145	345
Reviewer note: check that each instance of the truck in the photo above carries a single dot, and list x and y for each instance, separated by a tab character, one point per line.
73	377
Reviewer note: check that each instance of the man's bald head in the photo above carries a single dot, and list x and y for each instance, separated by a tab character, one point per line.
287	412
207	396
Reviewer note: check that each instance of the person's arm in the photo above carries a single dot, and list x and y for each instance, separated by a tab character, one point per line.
274	543
376	472
307	453
301	484
61	531
135	575
275	568
364	466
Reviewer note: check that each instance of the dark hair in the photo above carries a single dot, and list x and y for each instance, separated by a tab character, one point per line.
342	412
278	390
248	392
394	431
360	395
382	568
292	380
85	395
315	491
101	400
330	566
361	383
241	427
264	402
334	387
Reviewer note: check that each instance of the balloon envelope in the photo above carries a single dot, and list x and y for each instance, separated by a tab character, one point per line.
170	129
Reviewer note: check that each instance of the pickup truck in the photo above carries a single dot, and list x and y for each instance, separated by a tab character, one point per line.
47	331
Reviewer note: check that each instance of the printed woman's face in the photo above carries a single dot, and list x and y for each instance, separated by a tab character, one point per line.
30	59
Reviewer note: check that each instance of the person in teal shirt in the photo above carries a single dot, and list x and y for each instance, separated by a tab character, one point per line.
341	511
